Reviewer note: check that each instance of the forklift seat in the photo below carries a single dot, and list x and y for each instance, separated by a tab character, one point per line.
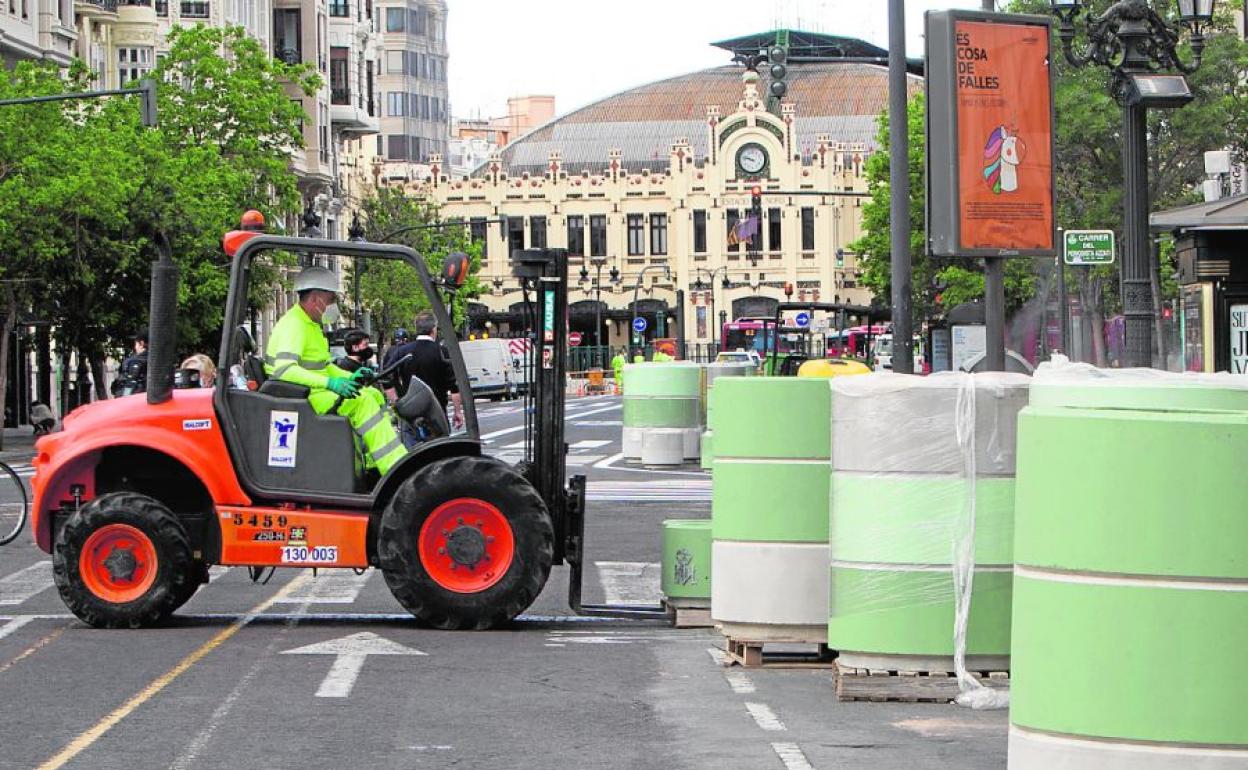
253	365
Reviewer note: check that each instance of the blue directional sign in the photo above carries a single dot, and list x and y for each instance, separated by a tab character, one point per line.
639	324
802	319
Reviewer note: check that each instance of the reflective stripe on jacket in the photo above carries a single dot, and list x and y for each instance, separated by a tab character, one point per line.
298	351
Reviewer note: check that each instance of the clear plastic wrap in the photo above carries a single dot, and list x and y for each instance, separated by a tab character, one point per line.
922	522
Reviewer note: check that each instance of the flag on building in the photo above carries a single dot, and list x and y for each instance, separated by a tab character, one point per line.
744	231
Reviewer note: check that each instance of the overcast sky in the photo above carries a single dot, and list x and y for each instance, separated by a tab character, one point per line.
585	50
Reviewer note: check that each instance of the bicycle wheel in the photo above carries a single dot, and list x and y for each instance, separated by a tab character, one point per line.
14	505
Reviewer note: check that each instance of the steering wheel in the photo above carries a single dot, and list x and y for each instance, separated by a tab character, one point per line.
387	371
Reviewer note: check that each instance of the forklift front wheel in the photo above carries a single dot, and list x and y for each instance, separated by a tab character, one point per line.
466	543
122	561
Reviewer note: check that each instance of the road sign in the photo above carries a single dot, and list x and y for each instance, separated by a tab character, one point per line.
1089	247
802	319
639	324
574	339
350	653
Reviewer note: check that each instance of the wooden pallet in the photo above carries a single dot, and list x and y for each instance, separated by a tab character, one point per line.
753	654
880	686
690	617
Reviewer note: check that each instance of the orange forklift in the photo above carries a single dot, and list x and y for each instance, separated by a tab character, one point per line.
138	496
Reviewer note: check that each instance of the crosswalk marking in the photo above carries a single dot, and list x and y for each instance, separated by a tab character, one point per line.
590	444
792	756
573	460
25	583
630	582
764	717
23	470
335	586
690	490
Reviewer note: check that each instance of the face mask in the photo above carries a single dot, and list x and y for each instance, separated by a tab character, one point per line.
330	315
365	354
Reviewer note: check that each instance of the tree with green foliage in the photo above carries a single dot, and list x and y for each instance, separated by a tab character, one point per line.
1089	180
390	291
84	188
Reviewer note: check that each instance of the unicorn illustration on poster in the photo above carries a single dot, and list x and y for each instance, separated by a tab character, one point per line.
1002	154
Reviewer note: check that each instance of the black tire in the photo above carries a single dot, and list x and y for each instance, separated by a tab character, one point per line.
196	576
174	566
458	477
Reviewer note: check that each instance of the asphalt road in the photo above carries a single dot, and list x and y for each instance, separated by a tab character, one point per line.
250	676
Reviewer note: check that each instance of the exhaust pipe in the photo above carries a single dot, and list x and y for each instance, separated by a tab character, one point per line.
162	324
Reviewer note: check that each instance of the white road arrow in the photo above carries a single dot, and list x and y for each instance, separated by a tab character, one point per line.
350	651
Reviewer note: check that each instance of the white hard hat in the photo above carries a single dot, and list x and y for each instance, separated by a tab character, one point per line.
316	278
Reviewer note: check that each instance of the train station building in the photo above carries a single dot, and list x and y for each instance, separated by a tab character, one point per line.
647	185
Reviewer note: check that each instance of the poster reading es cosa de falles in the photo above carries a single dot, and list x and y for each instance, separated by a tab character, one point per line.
1005	147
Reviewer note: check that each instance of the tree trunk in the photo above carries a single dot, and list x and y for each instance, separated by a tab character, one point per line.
1090	292
1159	327
97	376
6	330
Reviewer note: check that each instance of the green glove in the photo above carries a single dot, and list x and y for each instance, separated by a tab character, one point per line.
347	388
363	373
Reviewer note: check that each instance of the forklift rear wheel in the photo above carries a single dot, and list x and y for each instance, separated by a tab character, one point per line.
123	561
466	543
196	575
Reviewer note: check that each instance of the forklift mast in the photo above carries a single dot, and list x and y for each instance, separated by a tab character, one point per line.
543	275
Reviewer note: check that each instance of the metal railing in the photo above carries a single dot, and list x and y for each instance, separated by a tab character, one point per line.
287	55
340	95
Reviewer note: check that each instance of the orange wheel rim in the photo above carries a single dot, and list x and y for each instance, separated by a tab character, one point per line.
466	545
118	563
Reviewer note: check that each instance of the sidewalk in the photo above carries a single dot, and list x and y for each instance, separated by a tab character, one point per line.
19	445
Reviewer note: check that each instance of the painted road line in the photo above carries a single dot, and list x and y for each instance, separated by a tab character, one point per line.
600	423
13	625
25	583
764	717
223	709
567	418
739	681
32	649
677	490
334	586
572	460
590	444
331	618
350	653
792	756
719	656
101	728
630	582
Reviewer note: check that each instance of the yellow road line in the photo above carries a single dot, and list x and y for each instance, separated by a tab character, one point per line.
97	731
32	649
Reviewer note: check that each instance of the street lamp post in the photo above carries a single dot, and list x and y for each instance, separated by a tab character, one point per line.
1134	43
598	263
632	330
697	286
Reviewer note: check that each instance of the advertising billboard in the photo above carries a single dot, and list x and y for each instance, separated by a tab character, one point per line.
989	135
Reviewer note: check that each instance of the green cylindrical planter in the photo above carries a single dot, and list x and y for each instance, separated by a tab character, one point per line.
661	396
770	507
687	560
901	502
1131	592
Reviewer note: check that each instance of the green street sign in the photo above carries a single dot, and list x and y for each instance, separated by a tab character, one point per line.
1089	247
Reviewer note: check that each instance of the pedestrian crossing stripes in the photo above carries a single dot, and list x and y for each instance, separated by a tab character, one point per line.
25	583
621	583
666	490
24	470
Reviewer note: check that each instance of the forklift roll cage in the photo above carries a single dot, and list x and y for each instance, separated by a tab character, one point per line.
235	312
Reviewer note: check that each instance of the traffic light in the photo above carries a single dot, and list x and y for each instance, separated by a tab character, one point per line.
778	55
756	204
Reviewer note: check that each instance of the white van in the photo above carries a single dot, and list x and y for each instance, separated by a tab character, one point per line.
490	370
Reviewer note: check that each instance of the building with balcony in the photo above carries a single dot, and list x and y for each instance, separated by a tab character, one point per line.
40	30
412	83
659	176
